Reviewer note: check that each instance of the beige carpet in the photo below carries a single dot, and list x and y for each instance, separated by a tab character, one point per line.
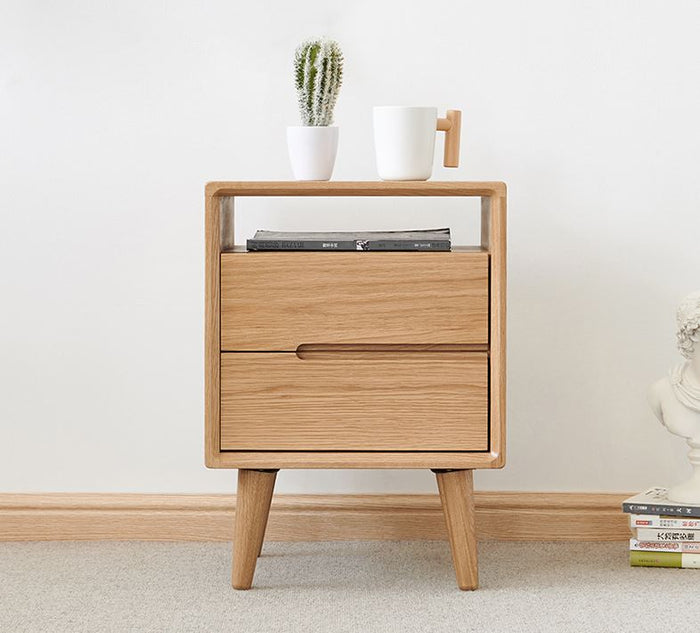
334	587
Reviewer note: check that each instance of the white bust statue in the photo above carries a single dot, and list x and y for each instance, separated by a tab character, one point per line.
675	399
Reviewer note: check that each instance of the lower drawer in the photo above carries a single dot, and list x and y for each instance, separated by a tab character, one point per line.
373	401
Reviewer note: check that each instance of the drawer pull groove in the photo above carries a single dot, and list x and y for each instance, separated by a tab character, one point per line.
309	351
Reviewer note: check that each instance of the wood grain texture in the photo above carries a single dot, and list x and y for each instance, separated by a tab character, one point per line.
278	300
493	244
383	401
453	134
255	490
227	224
355	459
493	227
511	516
457	498
355	188
212	233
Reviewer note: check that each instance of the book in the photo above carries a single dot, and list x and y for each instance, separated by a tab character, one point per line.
655	501
654	534
419	240
661	521
663	559
669	546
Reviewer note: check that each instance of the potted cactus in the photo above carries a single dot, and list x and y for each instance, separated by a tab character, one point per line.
318	74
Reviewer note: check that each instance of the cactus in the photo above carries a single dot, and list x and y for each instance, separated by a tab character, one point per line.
318	74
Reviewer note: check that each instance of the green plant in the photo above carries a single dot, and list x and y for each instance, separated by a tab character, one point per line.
318	75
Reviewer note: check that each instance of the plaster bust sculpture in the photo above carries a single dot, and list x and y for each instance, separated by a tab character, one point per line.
675	399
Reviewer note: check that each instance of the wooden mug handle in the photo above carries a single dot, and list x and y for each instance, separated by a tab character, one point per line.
452	126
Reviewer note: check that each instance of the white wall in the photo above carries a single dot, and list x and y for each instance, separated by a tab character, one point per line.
113	115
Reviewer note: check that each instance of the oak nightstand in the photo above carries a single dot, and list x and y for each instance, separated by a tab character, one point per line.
355	359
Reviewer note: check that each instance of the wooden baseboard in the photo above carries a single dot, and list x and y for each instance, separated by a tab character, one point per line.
512	516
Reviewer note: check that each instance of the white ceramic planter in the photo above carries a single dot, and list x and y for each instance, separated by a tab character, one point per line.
312	151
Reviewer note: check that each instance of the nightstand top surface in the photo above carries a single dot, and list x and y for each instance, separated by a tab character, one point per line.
355	188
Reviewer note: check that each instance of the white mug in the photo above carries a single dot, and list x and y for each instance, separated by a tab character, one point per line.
404	141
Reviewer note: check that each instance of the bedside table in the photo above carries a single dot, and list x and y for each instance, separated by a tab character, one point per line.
355	359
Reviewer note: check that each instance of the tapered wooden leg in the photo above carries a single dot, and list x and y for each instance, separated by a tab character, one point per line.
262	538
457	495
253	500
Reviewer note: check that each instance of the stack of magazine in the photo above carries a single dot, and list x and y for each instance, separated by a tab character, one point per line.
665	533
420	240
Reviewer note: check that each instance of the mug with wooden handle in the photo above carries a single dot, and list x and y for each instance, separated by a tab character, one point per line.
404	141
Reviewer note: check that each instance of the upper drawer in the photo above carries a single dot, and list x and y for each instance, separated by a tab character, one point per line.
278	301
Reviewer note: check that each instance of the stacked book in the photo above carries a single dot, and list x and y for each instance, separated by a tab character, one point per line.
420	240
666	534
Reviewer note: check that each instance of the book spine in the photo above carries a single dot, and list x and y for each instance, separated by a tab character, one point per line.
408	245
655	559
657	521
300	245
654	534
664	559
659	546
660	509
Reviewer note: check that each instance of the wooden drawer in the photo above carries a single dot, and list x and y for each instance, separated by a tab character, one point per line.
277	301
355	401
